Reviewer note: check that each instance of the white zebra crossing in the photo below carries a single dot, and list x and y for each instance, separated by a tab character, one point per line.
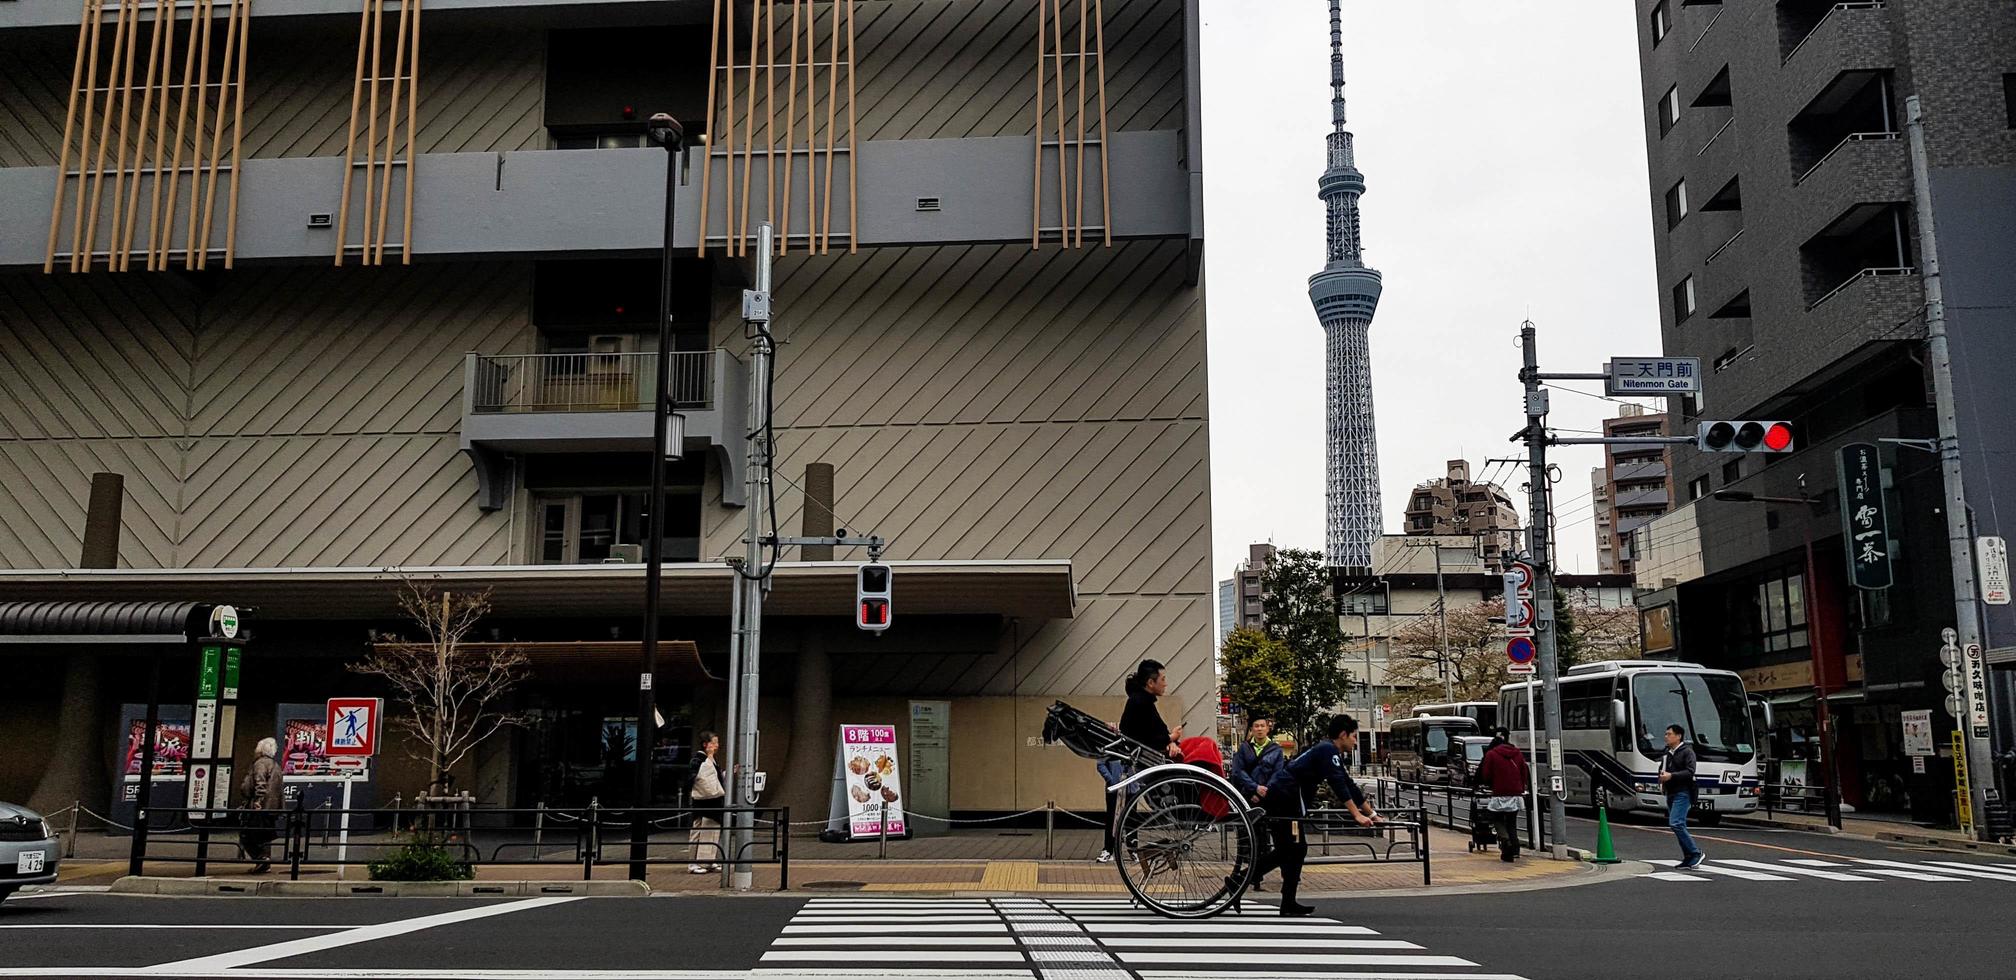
1845	870
1084	939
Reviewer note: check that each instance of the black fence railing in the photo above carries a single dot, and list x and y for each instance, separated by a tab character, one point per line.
577	837
1401	838
1457	807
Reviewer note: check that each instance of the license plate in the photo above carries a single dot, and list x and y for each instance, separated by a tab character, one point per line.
29	863
1706	804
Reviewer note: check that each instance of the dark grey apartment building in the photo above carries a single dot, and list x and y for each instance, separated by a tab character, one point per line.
1633	488
1789	257
355	290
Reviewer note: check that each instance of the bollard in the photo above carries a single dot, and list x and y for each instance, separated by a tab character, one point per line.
538	830
1049	830
70	849
593	849
882	827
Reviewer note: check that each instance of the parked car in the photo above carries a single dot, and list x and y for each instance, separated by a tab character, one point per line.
1465	755
28	849
1419	748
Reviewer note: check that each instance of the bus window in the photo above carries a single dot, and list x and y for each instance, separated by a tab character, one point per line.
1438	739
1709	707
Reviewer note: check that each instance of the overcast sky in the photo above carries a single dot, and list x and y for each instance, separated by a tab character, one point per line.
1504	155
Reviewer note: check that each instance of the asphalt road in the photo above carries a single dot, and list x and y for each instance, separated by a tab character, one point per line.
1784	905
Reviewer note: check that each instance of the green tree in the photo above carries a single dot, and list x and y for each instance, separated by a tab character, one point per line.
1301	614
1256	671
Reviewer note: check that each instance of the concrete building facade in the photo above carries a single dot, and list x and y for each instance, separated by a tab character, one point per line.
1635	486
1456	505
991	320
1790	258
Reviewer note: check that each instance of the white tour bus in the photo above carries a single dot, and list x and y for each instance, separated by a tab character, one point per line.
1484	712
1613	723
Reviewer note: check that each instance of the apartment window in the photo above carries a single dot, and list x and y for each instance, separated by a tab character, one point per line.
1676	204
1732	471
1683	299
598	141
585	505
2009	97
1662	22
1768	615
1669	110
1697	487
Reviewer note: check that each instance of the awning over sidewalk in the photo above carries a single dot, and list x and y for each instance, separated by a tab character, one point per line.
1029	589
102	621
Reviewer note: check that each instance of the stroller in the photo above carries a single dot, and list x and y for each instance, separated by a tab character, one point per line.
1483	835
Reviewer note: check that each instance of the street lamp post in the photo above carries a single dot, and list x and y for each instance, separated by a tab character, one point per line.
666	132
1830	773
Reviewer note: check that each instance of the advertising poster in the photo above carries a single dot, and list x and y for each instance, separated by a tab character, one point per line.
171	748
871	779
1918	733
304	747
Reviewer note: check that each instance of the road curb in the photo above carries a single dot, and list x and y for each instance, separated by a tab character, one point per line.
1950	844
238	888
1783	825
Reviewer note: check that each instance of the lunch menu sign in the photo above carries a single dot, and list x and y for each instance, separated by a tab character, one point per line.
873	782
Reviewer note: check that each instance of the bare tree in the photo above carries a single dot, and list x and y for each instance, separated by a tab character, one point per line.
447	689
1477	648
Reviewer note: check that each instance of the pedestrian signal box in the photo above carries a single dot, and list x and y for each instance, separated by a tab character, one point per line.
872	584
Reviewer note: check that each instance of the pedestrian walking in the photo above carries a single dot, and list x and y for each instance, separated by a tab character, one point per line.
264	797
1292	793
1139	721
706	799
1253	767
1676	780
1503	774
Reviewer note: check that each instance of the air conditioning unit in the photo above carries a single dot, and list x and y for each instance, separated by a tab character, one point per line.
624	554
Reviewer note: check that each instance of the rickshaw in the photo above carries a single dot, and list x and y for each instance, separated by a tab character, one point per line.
1187	844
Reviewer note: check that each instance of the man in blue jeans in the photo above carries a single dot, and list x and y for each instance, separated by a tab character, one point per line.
1676	780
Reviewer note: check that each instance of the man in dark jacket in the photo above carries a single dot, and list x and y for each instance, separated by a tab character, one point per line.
1253	767
1291	794
1676	780
1503	775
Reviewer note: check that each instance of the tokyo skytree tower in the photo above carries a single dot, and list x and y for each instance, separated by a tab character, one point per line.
1346	294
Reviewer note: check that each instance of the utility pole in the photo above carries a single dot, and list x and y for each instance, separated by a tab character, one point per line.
1959	539
752	580
1535	435
1441	622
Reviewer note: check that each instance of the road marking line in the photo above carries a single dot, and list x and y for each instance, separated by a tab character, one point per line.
1991	876
1381	975
1807	872
795	929
893	941
1673	876
1986	871
200	925
796	974
904	956
270	973
1711	868
1273	942
1247	958
1809	862
204	965
1227	928
1911	875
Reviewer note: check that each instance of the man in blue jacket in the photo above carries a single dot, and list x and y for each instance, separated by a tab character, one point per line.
1291	794
1677	781
1253	766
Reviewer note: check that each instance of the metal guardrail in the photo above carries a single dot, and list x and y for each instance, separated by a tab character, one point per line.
584	837
1401	839
1453	806
1822	22
587	382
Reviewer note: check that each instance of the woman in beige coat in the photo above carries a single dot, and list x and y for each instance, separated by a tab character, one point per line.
263	791
707	795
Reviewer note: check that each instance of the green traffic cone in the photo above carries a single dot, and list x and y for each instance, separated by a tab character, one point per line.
1606	851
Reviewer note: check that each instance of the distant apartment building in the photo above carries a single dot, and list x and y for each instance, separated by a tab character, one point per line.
1455	505
1633	488
1228	609
1248	611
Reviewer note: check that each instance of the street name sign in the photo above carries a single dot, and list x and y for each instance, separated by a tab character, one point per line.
1653	376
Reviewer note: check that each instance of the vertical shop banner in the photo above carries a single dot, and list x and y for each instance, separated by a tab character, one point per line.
872	780
1864	526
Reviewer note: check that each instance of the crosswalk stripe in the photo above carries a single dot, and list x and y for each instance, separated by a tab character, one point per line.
1910	875
1310	959
794	973
1812	863
852	941
1381	975
853	929
1997	871
1807	872
1989	875
1274	942
916	923
1674	876
1227	928
904	956
1711	868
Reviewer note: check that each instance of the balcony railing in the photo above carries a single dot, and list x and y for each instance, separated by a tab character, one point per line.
1851	138
1859	276
1731	121
1719	249
587	382
1822	22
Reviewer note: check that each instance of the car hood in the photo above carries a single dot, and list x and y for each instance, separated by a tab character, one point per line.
9	811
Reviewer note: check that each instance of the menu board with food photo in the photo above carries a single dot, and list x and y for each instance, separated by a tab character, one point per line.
872	780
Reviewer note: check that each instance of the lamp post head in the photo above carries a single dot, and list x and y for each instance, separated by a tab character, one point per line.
666	131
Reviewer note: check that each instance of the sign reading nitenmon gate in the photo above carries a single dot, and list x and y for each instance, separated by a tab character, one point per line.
1653	376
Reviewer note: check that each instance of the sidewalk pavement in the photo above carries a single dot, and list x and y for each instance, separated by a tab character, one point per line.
966	861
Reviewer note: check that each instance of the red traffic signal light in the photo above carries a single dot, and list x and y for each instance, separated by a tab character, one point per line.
873	585
1744	436
872	614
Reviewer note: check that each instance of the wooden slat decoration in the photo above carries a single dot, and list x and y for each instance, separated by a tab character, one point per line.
119	147
1066	143
807	47
368	180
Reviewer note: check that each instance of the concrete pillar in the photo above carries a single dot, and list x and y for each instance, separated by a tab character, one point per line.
76	754
807	783
816	519
101	522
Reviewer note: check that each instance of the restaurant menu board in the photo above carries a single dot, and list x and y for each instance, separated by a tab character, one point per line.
872	780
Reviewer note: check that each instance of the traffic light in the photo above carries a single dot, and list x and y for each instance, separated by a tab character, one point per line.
1744	436
872	581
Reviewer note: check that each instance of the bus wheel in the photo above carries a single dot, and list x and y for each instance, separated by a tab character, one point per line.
1710	818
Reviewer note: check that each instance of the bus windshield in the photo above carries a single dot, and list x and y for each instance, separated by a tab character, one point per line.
1710	707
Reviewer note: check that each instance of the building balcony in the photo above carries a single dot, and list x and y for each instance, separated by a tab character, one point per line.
1638	499
1624	472
576	13
516	404
1864	168
535	203
1875	305
1849	37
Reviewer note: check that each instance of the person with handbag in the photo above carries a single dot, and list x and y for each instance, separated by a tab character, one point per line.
707	796
265	796
1503	775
